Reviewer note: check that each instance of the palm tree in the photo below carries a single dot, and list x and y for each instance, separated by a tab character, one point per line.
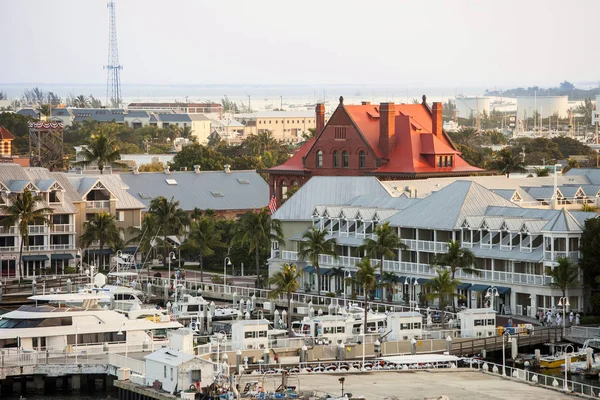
102	228
286	281
204	237
81	101
443	288
169	217
101	150
338	274
508	162
571	163
457	258
186	132
313	244
257	231
388	281
564	275
365	277
384	246
24	210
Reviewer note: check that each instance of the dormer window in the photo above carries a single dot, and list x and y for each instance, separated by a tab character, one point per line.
444	161
54	197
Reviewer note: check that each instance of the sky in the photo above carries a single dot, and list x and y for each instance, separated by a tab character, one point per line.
415	43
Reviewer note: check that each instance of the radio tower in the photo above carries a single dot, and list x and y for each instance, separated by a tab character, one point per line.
113	77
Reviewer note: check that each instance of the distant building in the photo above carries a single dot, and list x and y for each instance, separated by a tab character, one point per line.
391	141
189	108
28	112
6	139
228	193
163	120
545	105
229	130
137	119
201	127
596	112
99	115
64	115
470	107
286	126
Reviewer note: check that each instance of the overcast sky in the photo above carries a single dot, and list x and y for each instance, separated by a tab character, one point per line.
416	43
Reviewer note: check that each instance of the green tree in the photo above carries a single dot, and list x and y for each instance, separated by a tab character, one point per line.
257	231
365	278
23	210
388	282
155	166
564	275
204	237
195	154
384	246
542	171
101	227
508	162
571	163
590	250
586	109
443	288
285	281
315	242
456	258
171	219
101	150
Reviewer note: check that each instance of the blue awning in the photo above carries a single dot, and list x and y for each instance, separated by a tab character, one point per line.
463	286
479	288
61	256
309	269
402	279
96	252
326	271
503	289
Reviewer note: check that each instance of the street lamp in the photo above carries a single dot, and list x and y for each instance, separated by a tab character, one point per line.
564	306
80	261
504	335
120	333
411	298
226	263
491	294
347	275
171	257
342	380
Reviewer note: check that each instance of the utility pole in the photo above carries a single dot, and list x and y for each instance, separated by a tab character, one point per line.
113	68
281	103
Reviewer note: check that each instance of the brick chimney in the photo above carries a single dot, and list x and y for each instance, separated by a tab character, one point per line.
437	122
320	120
387	128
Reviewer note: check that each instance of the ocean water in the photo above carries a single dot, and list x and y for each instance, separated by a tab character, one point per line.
262	96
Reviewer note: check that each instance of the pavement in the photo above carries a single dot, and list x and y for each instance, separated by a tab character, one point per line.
419	385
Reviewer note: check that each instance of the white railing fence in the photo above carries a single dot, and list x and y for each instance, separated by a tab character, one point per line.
134	365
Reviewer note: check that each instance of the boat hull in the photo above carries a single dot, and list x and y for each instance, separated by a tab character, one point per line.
555	363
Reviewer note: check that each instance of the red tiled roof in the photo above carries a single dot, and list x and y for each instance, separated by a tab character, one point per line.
5	134
295	162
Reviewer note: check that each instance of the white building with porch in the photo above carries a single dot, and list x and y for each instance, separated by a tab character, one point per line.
514	243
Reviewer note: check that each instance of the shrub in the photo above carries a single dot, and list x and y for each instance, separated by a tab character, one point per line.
157	275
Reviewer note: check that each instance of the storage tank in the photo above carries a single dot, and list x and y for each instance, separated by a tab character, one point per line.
545	105
467	107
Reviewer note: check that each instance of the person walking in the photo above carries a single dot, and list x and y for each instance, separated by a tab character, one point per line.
571	317
577	320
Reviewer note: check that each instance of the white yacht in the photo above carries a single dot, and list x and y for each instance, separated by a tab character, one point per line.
339	328
188	308
55	328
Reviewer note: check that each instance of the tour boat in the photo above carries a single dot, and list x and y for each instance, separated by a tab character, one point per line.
189	307
48	327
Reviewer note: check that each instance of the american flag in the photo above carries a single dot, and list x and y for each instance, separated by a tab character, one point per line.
272	204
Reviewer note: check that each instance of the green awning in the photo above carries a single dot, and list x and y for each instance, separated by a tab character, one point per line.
61	256
503	289
38	257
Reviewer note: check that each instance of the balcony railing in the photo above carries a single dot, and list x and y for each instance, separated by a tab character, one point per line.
11	230
97	204
428	270
555	255
7	249
36	248
62	228
61	246
37	229
426	245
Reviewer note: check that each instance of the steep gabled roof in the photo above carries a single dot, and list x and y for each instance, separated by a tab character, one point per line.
295	162
447	208
5	134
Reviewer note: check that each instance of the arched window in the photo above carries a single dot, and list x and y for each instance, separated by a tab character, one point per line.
362	159
335	159
344	159
284	190
319	158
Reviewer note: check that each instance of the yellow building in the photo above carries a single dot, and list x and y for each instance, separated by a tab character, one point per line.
286	126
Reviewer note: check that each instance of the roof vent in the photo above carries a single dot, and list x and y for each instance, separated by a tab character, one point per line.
171	181
243	181
197	169
167	170
216	193
227	168
365	103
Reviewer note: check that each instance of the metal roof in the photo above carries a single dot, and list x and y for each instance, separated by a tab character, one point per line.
592	174
323	190
194	189
540	193
171	117
30	112
515	254
563	222
447	208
